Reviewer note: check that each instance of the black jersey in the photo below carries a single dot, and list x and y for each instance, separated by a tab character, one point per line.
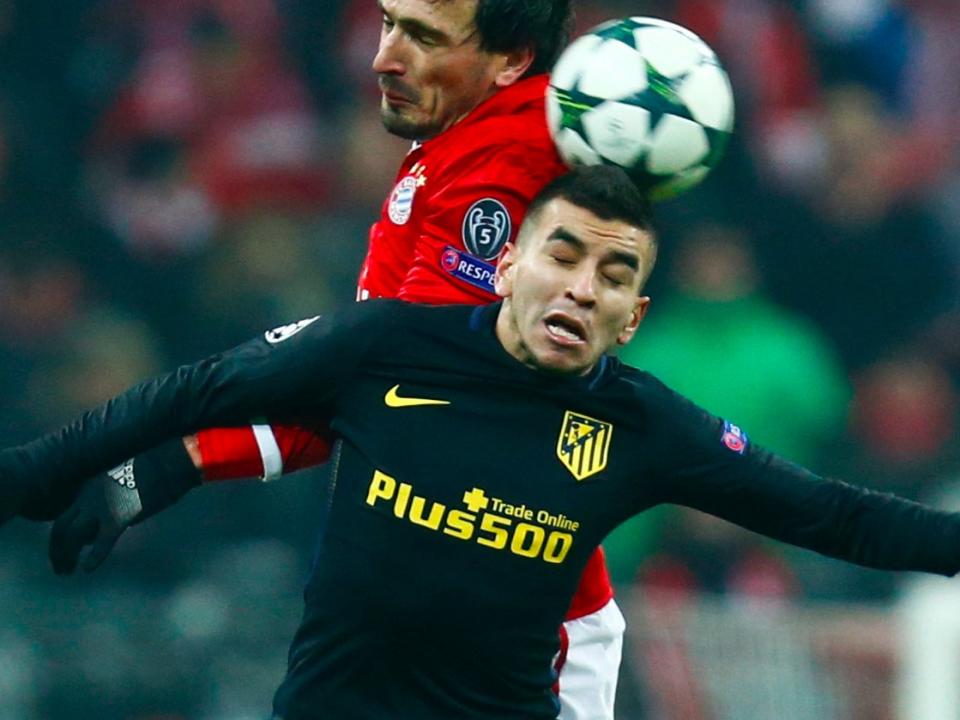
468	493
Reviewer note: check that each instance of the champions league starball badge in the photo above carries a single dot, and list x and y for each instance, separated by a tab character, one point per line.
486	228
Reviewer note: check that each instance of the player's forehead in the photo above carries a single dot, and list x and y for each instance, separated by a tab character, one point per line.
561	221
453	17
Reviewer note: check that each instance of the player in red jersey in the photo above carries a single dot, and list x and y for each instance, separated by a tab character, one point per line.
465	80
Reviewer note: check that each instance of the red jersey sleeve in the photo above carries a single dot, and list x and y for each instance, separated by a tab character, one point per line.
264	451
474	209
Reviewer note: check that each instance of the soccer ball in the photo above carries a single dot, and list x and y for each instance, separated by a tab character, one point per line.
644	94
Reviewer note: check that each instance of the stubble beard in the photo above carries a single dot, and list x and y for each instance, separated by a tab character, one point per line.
408	129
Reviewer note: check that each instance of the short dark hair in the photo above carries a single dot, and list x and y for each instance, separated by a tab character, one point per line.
543	25
605	190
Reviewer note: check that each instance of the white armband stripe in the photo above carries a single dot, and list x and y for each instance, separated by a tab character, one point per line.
269	452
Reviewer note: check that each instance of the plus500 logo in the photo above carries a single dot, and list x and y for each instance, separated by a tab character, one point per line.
487	521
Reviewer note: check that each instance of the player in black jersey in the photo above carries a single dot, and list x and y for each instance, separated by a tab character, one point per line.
484	454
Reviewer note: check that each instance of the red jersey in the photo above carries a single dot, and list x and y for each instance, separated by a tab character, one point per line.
459	198
462	196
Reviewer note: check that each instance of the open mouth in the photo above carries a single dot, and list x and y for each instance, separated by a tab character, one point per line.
565	330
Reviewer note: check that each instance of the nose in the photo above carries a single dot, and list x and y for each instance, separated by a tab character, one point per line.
388	61
581	288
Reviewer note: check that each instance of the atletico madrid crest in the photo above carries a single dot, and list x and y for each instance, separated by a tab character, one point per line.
583	444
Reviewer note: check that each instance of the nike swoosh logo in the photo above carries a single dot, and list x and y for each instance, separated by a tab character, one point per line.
394	400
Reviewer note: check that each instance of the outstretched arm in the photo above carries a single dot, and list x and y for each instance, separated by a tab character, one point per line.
139	488
713	467
292	374
837	519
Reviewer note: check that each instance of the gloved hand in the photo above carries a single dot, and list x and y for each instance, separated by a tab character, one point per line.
111	502
108	504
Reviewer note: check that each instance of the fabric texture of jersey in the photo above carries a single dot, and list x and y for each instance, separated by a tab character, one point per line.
452	543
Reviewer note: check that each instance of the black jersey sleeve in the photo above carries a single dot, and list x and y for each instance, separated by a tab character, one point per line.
710	466
288	372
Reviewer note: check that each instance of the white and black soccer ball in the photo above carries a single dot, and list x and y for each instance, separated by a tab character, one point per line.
644	94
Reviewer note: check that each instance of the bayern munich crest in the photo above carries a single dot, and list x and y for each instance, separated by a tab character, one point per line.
401	200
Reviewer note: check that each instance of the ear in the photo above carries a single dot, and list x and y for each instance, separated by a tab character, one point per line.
639	311
514	64
506	269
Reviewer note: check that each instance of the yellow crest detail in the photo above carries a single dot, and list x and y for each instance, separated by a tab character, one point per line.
583	444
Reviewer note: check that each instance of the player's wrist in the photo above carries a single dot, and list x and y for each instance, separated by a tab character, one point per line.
162	475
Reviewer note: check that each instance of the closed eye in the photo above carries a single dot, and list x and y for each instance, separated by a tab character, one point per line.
620	270
422	39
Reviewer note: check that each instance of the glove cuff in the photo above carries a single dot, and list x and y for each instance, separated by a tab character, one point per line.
161	476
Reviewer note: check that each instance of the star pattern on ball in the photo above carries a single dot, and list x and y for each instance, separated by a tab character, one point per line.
667	135
573	105
621	30
660	96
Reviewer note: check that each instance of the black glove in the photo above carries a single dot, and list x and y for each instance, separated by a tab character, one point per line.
111	502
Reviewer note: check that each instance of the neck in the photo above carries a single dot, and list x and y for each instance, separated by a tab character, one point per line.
508	334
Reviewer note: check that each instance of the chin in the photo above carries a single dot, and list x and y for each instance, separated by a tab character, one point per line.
562	364
403	127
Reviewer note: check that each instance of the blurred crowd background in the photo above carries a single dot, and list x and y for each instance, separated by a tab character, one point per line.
178	175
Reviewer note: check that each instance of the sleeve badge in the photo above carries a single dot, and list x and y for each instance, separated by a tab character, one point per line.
486	228
734	438
285	332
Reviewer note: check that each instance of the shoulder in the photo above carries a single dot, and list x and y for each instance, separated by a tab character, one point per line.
637	384
352	326
501	164
419	335
683	434
497	143
658	406
360	317
508	144
358	333
406	319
